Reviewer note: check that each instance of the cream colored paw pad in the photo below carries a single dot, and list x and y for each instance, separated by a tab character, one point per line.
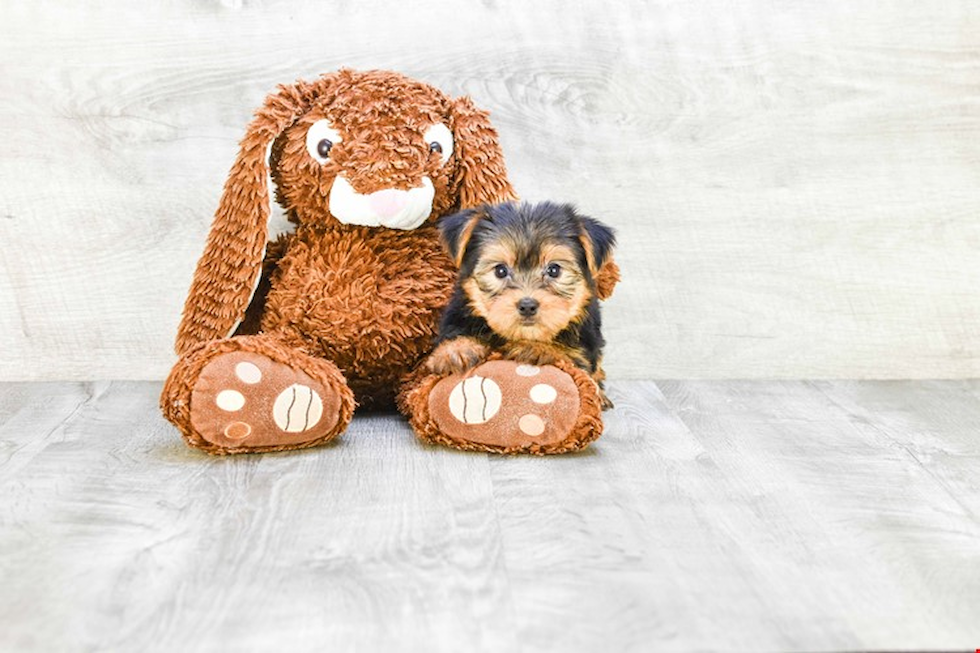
298	408
543	393
248	372
230	400
527	370
238	431
531	425
475	400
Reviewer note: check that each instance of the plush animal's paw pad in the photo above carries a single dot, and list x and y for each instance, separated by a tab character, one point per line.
505	404
237	431
298	408
246	399
527	370
475	400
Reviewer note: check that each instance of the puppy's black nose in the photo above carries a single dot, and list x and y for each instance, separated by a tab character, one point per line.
527	307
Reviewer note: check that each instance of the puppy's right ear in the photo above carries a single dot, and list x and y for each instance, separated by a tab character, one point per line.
598	241
457	229
228	270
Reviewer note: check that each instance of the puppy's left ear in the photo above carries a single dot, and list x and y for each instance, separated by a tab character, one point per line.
598	241
456	230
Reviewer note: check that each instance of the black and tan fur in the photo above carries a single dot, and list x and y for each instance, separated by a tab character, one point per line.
527	287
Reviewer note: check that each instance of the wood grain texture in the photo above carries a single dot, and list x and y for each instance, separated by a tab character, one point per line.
712	516
794	184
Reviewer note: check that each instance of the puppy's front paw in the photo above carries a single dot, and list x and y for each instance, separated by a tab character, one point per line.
456	356
605	401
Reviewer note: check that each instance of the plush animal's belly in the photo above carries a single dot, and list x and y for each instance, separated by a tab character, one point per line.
367	299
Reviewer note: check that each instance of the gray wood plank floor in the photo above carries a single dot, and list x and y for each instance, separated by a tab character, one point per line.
794	516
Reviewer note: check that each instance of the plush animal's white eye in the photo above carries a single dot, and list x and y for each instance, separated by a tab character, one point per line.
439	139
320	138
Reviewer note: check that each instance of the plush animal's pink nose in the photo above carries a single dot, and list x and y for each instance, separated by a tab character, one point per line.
388	202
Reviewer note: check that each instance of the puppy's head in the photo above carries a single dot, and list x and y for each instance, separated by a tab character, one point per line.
528	270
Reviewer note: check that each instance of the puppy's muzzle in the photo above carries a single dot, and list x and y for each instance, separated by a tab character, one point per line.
390	207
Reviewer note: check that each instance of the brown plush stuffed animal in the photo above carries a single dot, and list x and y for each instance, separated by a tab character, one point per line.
279	340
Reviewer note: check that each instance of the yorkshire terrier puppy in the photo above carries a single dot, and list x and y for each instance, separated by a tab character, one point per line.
526	287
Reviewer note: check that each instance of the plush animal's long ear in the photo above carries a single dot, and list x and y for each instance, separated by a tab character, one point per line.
598	241
228	269
482	173
456	230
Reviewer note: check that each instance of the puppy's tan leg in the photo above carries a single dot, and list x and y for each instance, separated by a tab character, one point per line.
605	400
600	380
534	352
456	356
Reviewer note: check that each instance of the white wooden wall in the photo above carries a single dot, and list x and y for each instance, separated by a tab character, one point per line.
796	185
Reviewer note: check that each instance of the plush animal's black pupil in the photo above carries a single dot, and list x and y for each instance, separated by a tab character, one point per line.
554	270
500	270
435	147
323	147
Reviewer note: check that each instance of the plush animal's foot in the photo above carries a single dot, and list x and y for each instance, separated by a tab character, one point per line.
243	399
248	394
508	407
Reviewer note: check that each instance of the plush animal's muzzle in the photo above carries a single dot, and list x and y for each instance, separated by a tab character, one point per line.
390	207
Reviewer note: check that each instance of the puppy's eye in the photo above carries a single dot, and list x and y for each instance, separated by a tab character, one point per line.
553	270
320	139
440	140
501	271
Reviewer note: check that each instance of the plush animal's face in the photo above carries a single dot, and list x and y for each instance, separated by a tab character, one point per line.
527	270
379	153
